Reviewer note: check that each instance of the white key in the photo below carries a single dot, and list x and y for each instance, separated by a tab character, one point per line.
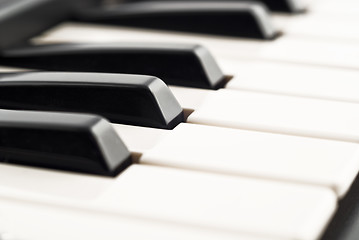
293	79
320	162
278	113
335	8
239	205
34	221
323	27
308	51
188	199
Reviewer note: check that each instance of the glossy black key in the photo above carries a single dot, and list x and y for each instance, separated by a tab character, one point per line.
286	6
249	20
128	99
175	64
73	142
23	19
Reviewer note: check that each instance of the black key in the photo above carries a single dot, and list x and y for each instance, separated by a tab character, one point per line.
220	18
73	142
345	222
23	19
128	99
175	64
286	6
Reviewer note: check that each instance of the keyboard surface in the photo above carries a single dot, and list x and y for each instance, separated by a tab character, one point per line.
284	170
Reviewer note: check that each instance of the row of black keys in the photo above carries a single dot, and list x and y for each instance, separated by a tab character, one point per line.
41	138
22	19
136	100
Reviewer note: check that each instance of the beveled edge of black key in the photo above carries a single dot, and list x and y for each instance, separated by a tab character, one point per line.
168	108
208	74
258	11
108	156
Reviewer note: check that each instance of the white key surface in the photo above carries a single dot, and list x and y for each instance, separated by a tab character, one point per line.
293	79
280	114
331	164
184	198
339	29
34	221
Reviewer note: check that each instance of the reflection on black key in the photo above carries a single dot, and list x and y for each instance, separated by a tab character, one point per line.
74	142
176	64
221	18
128	99
287	6
23	19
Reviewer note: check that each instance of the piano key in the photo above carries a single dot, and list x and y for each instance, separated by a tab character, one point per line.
344	225
346	9
251	19
8	236
177	64
303	51
76	224
244	206
81	143
130	99
331	164
322	27
26	18
292	79
274	113
288	6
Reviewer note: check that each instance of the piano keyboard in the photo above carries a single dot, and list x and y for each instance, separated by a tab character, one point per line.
273	154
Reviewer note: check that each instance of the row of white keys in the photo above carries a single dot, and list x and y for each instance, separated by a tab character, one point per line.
326	163
155	200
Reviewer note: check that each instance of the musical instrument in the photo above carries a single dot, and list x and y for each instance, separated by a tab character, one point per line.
272	154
